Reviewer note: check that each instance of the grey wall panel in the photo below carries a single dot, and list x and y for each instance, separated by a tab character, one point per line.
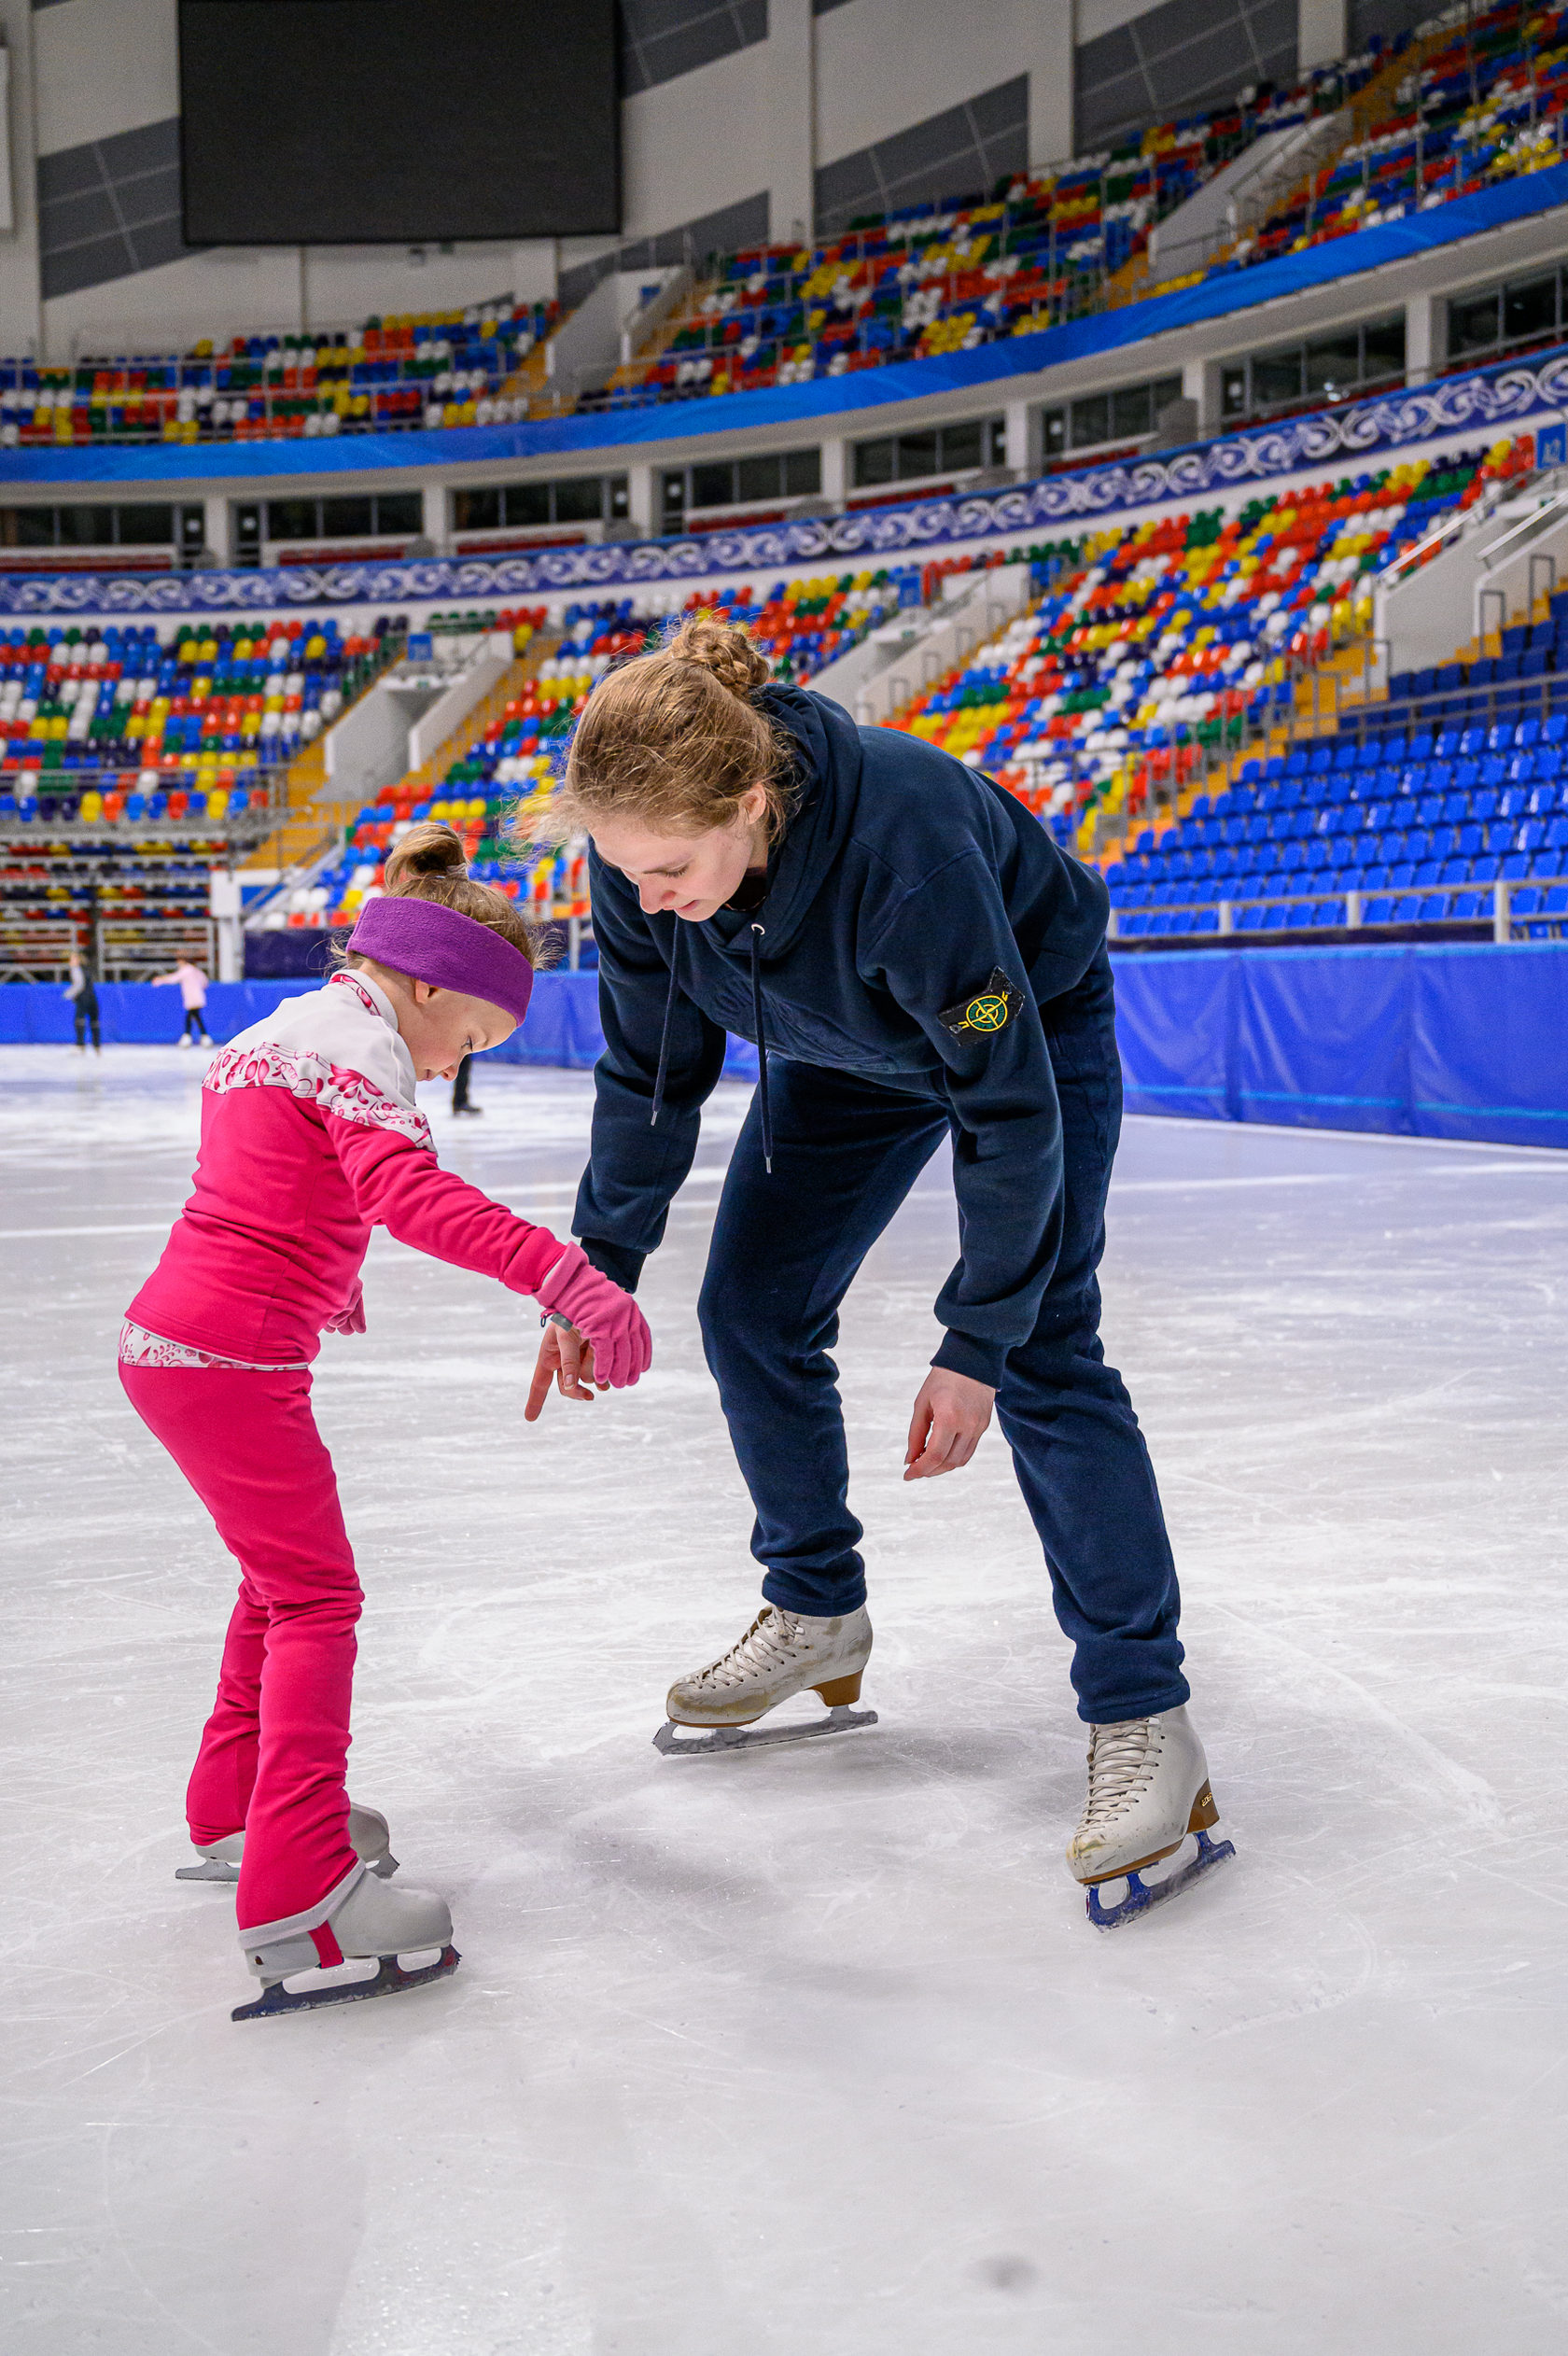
110	209
721	233
963	152
663	38
1388	16
1178	59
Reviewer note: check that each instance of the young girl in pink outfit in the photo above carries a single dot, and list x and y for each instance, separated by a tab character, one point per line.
311	1137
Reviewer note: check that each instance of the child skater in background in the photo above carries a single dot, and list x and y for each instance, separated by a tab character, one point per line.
311	1136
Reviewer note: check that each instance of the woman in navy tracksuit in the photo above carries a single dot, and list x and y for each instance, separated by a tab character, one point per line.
918	961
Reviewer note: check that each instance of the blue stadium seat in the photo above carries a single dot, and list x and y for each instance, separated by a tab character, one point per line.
1378	910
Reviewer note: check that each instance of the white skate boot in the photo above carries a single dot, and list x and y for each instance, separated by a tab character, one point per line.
1149	1805
782	1653
362	1917
367	1834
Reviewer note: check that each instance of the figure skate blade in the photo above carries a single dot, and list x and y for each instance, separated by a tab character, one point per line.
390	1980
842	1720
1141	1895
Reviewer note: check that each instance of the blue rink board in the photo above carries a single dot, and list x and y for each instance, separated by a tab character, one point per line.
1465	1041
562	1029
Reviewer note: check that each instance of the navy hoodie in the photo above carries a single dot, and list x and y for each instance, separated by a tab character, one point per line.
908	894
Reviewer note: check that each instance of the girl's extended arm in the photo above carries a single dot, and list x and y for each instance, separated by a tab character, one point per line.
399	1185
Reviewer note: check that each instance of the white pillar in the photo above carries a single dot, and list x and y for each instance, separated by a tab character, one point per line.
1426	337
433	513
215	525
640	497
1200	384
791	120
1021	455
1047	55
223	902
1321	32
835	470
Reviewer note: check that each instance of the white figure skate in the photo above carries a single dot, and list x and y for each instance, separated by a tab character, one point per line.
368	1838
362	1917
1149	1806
782	1653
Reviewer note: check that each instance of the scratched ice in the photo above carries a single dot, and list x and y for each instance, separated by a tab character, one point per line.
812	2053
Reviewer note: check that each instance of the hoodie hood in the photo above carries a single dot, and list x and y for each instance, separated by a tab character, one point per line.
828	766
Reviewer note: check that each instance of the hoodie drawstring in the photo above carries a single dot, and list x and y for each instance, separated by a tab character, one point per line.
757	933
665	1034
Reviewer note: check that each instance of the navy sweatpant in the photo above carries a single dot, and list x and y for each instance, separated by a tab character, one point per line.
785	1251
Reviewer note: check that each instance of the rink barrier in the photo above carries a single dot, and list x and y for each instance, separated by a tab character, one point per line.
1458	1039
562	1029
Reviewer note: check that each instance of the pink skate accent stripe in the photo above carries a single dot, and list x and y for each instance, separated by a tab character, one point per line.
325	1945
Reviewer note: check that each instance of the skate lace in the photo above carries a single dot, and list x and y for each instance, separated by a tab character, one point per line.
773	1641
1121	1763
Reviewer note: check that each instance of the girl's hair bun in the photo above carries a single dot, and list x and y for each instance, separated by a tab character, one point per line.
730	653
430	849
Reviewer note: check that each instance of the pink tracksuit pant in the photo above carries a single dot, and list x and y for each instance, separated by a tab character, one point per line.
274	1750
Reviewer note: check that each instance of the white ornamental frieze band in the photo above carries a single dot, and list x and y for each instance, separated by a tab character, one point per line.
1494	399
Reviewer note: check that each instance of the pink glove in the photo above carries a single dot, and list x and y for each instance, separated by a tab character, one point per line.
350	1318
604	1314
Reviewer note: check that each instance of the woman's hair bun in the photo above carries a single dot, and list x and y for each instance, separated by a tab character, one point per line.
430	849
730	653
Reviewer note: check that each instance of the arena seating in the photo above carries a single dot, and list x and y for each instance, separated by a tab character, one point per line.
137	757
804	625
1181	646
1483	107
145	721
437	368
928	278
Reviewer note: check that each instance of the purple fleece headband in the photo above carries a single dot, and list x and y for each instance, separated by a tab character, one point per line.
434	944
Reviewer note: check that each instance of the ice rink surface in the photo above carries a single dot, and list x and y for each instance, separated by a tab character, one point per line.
812	2053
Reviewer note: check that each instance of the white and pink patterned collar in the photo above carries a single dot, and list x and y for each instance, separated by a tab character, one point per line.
370	994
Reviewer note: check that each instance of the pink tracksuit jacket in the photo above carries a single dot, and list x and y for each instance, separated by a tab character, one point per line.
310	1138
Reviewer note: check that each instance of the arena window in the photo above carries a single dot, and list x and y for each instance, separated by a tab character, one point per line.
1371	352
1517	311
1099	419
781	475
368	515
82	525
580	499
906	457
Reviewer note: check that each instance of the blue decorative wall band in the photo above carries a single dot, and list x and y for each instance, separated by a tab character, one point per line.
1489	401
1492	400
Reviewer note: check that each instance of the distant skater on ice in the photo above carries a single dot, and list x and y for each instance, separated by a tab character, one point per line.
916	960
311	1136
193	986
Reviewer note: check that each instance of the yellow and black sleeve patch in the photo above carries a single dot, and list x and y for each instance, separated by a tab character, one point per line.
988	1011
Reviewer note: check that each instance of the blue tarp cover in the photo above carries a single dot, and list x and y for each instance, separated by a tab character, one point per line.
1467	1041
